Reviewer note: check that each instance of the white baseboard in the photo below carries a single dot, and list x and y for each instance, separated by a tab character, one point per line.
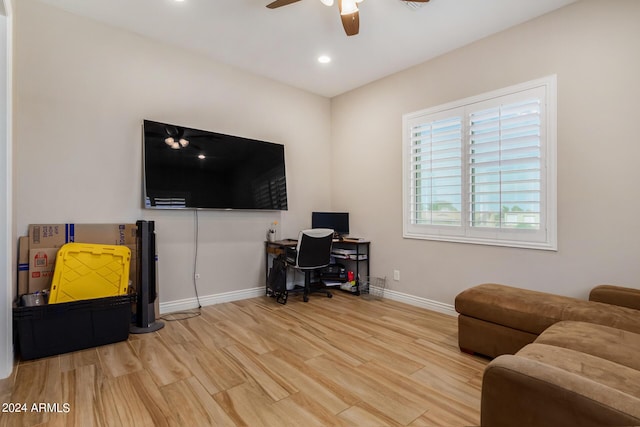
420	302
190	303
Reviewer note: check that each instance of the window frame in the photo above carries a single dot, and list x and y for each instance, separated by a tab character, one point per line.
545	237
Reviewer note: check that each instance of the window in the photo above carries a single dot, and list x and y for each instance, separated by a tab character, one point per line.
482	169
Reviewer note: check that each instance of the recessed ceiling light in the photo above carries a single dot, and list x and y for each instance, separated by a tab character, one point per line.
324	59
200	156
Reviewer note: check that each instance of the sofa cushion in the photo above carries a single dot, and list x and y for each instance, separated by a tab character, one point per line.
490	339
616	295
616	345
601	371
545	385
533	311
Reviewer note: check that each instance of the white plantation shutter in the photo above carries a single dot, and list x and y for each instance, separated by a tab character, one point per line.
482	170
504	165
436	169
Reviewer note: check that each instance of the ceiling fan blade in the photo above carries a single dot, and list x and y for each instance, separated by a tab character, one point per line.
280	3
350	22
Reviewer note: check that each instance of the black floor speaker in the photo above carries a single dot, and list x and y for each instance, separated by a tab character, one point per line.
145	320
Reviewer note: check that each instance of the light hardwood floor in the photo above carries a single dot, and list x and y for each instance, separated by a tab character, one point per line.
342	361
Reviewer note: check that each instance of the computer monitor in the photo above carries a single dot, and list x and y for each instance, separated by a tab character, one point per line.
338	221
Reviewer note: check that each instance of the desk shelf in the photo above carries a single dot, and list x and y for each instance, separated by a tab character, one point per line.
355	255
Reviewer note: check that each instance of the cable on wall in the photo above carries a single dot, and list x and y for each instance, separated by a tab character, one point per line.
196	233
184	315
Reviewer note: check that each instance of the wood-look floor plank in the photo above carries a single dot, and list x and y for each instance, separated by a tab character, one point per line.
230	312
193	405
303	410
334	398
370	389
7	386
248	405
367	350
36	382
118	359
175	332
207	366
365	415
460	391
247	336
271	382
320	341
205	332
161	364
78	359
326	318
342	361
83	394
138	401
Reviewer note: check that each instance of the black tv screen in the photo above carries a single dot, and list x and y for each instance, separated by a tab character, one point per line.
189	168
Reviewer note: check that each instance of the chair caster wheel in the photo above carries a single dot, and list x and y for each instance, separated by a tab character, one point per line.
305	298
329	295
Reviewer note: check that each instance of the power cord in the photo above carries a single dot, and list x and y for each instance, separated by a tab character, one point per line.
184	315
196	233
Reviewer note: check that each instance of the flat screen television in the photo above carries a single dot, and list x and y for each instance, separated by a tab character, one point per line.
188	168
337	221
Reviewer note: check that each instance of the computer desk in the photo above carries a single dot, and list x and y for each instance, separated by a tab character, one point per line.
353	254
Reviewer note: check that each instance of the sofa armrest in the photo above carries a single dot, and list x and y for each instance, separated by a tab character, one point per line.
616	295
517	391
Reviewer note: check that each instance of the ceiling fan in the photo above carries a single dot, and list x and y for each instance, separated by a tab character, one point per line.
348	11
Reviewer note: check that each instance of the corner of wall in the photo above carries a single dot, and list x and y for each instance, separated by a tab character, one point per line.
6	233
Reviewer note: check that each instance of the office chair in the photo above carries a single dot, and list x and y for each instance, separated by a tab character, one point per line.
313	252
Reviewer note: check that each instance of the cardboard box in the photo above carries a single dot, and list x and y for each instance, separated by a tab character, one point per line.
41	264
56	235
46	239
23	266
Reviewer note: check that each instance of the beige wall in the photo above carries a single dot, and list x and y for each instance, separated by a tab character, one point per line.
593	48
82	90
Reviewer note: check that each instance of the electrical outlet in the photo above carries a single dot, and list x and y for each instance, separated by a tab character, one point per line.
197	276
396	275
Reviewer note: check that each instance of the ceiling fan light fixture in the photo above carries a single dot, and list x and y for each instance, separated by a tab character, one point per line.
327	2
175	138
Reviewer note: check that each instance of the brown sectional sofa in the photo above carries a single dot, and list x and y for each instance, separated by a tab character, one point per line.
576	363
616	295
575	374
497	319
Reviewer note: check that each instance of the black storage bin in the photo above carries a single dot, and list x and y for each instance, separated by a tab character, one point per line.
52	329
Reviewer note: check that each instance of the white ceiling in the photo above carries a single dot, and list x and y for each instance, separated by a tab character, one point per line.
284	43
